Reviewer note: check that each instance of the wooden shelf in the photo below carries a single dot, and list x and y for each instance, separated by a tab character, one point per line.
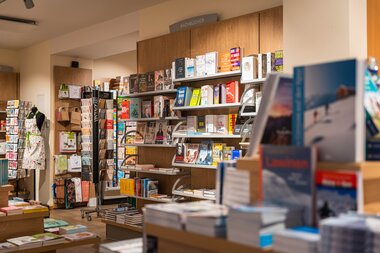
193	165
151	93
3	111
179	193
64	245
254	81
150	145
208	77
156	172
151	119
206	135
204	107
170	239
125	226
150	199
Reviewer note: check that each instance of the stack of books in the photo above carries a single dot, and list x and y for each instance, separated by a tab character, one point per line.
35	209
254	226
73	229
26	242
209	223
12	210
133	218
131	246
49	239
201	193
80	236
111	214
296	240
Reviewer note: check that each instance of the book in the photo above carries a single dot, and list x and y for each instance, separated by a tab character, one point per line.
127	186
288	178
183	96
260	66
223	93
270	62
338	192
140	132
205	154
201	124
80	236
6	247
152	188
135	108
222	124
169	134
249	68
146	109
217	153
278	61
200	65
12	210
125	109
211	59
225	62
210	123
328	109
150	133
133	83
235	55
158	106
160	132
232	92
35	209
180	68
192	151
264	64
180	152
195	97
168	81
159	79
191	126
189	67
143	83
150	81
207	95
72	229
49	239
231	123
216	94
227	153
53	223
25	242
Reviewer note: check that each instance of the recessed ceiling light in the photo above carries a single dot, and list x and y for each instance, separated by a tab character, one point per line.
28	4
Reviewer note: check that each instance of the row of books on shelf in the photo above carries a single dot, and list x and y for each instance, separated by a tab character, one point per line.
150	168
124	215
207	64
206	153
208	94
141	187
159	107
201	193
218	124
153	132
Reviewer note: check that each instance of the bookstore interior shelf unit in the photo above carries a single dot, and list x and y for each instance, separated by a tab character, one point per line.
151	93
236	73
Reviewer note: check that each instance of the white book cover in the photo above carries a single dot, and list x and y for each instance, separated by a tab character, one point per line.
207	95
248	68
270	60
191	124
200	65
210	123
222	124
259	66
223	94
211	63
189	67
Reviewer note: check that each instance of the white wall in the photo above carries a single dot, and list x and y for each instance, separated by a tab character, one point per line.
10	58
323	30
115	65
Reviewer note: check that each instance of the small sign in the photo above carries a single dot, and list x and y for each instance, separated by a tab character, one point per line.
193	22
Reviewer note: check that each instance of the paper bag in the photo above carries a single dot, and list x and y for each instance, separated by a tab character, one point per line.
63	114
75	116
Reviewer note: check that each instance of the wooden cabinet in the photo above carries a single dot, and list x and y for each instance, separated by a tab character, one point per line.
9	85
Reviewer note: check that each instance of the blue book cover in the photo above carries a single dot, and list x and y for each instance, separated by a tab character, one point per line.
181	96
328	109
288	178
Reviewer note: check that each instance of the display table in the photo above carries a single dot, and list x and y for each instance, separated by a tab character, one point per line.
174	241
21	225
117	231
65	245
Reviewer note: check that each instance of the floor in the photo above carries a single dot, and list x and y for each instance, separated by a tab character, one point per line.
73	217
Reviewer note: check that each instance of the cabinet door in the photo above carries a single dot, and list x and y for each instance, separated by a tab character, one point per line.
271	30
9	86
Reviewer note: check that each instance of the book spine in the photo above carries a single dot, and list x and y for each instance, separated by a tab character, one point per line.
259	66
298	107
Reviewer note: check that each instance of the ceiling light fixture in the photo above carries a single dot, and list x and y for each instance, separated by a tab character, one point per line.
28	4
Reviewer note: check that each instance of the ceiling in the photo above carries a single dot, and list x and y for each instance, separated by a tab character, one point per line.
58	17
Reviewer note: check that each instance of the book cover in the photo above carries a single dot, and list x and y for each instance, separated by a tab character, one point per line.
207	95
150	133
140	128
278	61
235	55
195	97
192	152
200	65
201	124
169	134
150	81
223	93
168	81
183	96
167	110
216	94
130	127
180	152
134	108
231	123
260	66
264	64
25	241
133	83
232	92
191	124
179	68
217	153
143	83
210	123
158	106
159	79
152	188
160	133
225	62
189	67
205	154
288	177
328	109
249	68
80	236
125	109
270	62
337	192
211	63
146	109
222	124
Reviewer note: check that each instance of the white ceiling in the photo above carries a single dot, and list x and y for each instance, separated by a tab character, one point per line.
58	17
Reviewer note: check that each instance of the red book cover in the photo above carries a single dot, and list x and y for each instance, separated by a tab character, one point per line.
109	124
231	92
125	109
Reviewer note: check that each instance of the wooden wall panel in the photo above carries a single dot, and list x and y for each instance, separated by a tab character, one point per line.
241	31
271	30
9	85
158	53
373	24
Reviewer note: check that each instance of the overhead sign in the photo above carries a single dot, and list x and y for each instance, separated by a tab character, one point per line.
193	22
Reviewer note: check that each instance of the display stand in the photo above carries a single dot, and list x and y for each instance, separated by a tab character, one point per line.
173	241
117	231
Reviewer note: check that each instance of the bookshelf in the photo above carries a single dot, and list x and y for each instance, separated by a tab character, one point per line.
218	75
150	145
149	199
150	119
253	81
206	135
205	107
157	172
151	93
180	193
192	165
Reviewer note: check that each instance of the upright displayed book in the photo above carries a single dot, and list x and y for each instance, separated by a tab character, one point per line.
160	132
183	96
159	79
288	178
328	109
205	154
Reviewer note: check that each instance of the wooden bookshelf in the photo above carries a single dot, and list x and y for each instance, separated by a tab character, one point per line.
173	240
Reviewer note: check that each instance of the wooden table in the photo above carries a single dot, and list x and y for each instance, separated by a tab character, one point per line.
21	225
65	245
117	231
174	241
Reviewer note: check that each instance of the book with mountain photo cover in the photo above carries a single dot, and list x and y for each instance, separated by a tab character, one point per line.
205	154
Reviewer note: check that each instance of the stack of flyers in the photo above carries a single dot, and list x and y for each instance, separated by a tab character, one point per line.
11	147
13	103
11	156
12	165
12	112
11	138
12	129
12	122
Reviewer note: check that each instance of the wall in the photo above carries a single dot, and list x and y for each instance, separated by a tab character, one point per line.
155	20
323	30
115	65
10	58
